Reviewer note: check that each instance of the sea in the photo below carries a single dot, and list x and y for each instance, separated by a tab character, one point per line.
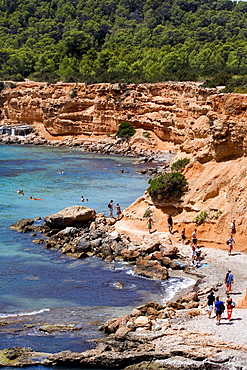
40	286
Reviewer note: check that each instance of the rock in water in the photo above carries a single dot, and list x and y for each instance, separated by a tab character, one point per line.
70	216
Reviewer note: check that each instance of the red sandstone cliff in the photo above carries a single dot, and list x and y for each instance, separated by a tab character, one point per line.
202	124
199	121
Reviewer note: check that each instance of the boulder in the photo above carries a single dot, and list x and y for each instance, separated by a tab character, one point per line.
169	251
130	255
70	216
142	322
188	297
151	269
175	305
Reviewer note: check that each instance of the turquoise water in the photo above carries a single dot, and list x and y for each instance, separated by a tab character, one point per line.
39	285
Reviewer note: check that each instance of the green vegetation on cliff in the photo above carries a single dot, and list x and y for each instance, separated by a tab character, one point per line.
167	185
124	40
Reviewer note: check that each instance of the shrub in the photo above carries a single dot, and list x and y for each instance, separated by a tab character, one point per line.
126	130
147	213
146	134
201	217
167	185
179	164
73	94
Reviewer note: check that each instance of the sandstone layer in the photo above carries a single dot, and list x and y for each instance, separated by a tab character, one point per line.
200	122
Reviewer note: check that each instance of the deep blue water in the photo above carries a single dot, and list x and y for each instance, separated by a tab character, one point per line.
41	285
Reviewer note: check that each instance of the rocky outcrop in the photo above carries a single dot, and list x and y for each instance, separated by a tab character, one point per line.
71	216
198	121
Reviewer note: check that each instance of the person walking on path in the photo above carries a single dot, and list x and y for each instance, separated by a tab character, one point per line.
118	210
211	300
194	237
229	280
170	223
150	224
193	253
230	242
219	309
229	306
183	236
110	206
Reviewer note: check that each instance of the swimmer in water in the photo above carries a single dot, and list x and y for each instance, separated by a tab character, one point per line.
20	192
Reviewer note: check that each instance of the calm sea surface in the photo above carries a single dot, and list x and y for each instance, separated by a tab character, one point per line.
39	285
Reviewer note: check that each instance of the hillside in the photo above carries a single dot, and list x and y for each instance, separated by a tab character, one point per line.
124	41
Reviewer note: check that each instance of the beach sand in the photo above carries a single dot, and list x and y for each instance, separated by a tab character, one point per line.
215	266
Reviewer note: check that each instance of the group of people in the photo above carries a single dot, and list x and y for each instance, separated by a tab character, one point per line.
118	209
219	306
23	193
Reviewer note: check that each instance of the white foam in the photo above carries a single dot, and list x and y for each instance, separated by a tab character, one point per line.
19	314
175	287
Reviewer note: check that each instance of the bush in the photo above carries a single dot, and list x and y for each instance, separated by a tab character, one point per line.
167	185
201	217
147	213
73	94
146	134
125	129
179	164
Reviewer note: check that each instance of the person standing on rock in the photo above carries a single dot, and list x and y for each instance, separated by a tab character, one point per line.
110	206
229	280
230	242
211	300
118	210
219	309
170	223
229	306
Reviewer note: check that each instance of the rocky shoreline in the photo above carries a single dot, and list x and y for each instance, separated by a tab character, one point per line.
152	335
108	145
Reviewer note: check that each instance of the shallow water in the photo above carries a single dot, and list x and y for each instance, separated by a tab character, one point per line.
39	285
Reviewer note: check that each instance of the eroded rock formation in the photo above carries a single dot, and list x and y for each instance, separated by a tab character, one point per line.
199	121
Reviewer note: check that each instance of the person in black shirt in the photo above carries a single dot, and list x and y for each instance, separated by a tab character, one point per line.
211	300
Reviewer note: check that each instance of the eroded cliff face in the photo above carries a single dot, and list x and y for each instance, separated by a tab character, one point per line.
200	122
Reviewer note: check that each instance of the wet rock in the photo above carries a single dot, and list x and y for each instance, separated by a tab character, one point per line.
151	269
38	241
48	328
22	226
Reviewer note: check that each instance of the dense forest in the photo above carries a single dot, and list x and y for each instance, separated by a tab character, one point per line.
125	40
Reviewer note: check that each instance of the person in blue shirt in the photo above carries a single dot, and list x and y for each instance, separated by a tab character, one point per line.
229	280
219	309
